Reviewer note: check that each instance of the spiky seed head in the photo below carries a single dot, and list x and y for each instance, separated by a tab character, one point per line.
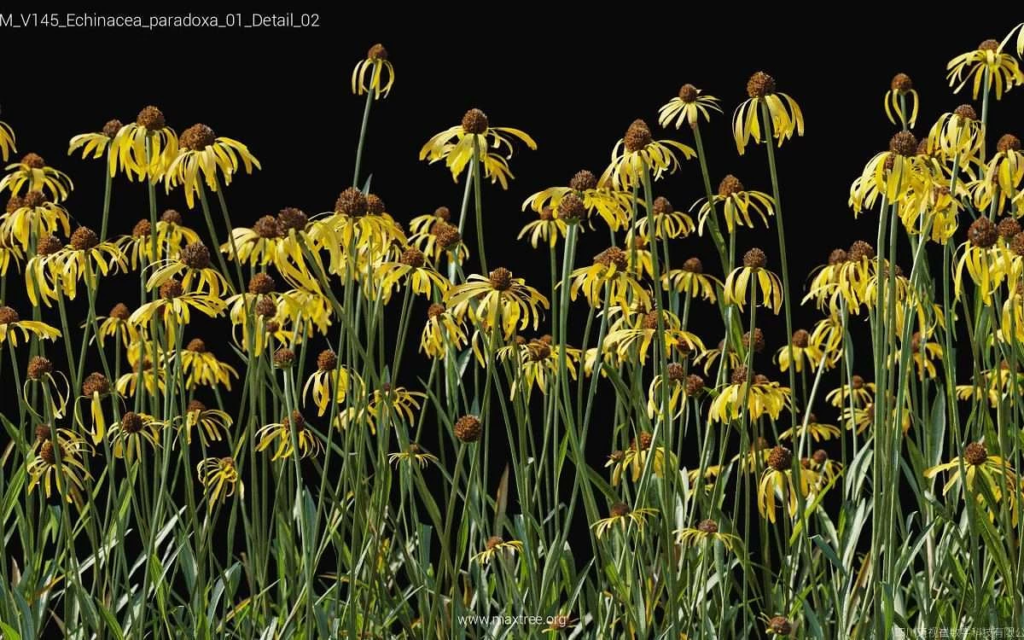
739	375
141	229
975	454
39	367
111	128
583	181
780	626
861	250
435	310
902	83
494	541
8	315
982	233
468	428
662	206
758	341
171	289
708	526
780	458
475	121
327	360
47	454
413	257
33	161
351	202
1008	142
571	208
262	284
196	345
966	112
197	137
284	358
171	216
195	406
989	45
151	118
730	185
688	93
755	259
904	144
195	255
265	307
675	372
95	383
637	137
760	85
801	338
84	239
501	279
292	219
619	510
444	213
694	384
131	422
820	456
857	382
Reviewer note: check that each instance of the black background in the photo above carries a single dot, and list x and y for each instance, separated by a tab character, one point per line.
574	85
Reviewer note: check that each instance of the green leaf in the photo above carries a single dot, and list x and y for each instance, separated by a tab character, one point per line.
830	553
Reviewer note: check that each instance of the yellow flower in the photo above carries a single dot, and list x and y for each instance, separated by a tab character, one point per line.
922	352
688	107
413	454
901	89
33	174
893	174
705	531
620	515
194	262
546	227
638	152
9	252
737	204
777	480
360	222
863	393
175	307
11	324
693	477
764	398
200	367
95	387
497	297
33	213
540	361
330	382
667	222
132	432
983	258
631	337
153	378
116	326
459	145
83	255
1002	176
615	207
978	466
1002	69
97	143
636	456
40	371
210	423
7	141
394	404
442	331
145	148
826	468
609	279
691	280
785	113
957	133
274	241
68	473
800	349
283	432
497	547
680	387
735	289
412	267
810	425
711	355
376	65
171	236
219	477
204	155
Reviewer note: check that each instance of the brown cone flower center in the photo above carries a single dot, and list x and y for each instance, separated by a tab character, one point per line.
638	136
760	85
780	458
755	259
501	279
197	137
475	122
84	239
151	118
583	181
